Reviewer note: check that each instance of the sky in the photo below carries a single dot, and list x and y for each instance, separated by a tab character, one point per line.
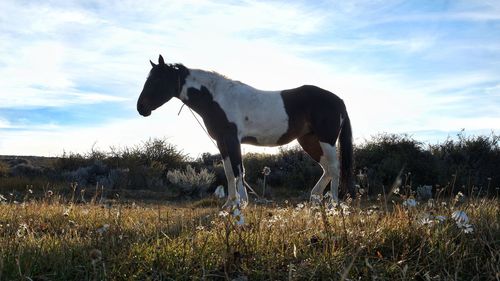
71	71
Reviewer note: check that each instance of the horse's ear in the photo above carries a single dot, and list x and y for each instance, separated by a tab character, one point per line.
152	63
161	61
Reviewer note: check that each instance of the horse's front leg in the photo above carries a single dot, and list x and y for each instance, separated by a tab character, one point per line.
230	149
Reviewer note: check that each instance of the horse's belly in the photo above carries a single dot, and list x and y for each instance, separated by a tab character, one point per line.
264	131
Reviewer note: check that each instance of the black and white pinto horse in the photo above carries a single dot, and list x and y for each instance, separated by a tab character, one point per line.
235	113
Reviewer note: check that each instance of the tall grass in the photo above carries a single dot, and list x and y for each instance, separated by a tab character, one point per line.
49	239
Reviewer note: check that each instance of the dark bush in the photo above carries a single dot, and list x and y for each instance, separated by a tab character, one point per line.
26	170
4	169
291	168
140	167
298	169
469	163
385	155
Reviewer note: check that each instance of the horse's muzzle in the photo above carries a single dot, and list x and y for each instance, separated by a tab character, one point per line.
143	110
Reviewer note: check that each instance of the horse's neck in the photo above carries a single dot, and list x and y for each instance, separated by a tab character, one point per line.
216	84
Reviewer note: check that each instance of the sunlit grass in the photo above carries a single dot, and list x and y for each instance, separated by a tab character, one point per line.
50	239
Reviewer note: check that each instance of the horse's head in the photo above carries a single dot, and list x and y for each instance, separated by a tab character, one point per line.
164	82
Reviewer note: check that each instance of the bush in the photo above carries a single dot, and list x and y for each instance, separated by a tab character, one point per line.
385	155
4	169
469	162
71	162
291	168
465	164
26	170
139	167
191	182
299	170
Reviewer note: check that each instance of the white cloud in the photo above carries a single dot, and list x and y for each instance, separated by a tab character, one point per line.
4	124
66	53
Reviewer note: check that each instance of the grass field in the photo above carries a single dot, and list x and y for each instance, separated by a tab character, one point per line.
52	239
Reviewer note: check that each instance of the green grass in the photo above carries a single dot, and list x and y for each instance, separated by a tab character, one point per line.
48	239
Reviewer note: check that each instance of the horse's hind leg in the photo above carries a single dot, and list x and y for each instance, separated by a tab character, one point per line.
332	167
311	144
326	155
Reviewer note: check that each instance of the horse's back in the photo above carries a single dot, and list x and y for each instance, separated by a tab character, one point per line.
311	100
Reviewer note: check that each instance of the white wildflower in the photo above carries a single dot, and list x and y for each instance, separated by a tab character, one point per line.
345	209
410	203
103	229
315	198
219	192
440	218
274	219
462	221
223	214
460	197
431	203
460	217
22	230
266	171
426	221
200	228
467	229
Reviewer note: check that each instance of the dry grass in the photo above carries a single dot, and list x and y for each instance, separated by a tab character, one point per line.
48	239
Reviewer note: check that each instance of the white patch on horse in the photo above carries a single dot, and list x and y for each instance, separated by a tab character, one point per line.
240	187
330	164
332	167
319	187
256	113
233	197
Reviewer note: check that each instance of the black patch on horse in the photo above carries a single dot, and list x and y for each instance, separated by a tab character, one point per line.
311	109
249	140
218	126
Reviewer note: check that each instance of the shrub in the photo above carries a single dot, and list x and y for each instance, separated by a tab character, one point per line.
299	170
469	161
26	170
191	182
385	155
71	162
4	169
88	175
142	166
291	168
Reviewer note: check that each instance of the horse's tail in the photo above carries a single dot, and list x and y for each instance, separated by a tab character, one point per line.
346	156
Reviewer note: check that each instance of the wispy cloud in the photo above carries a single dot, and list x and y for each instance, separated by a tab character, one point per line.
74	69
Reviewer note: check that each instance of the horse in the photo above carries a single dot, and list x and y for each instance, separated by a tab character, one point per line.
235	113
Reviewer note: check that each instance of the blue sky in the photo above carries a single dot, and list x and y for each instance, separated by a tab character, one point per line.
71	71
